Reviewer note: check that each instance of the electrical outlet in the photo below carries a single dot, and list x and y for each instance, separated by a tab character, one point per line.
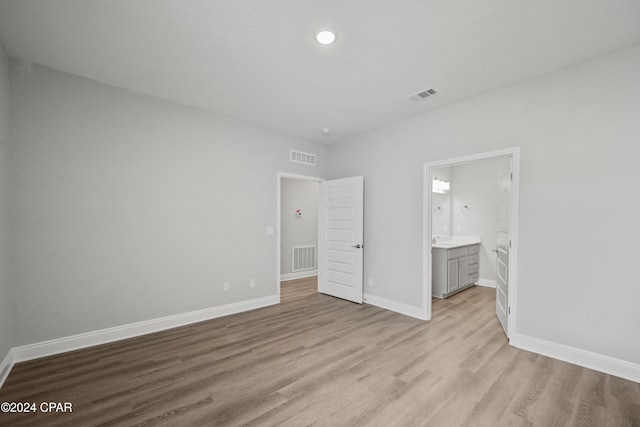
225	287
370	282
252	283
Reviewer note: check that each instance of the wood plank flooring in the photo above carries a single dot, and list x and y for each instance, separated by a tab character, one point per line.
318	360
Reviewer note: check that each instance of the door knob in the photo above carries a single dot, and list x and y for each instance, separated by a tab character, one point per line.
358	246
494	250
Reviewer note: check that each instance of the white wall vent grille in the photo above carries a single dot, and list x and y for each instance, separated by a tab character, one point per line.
304	158
421	96
303	258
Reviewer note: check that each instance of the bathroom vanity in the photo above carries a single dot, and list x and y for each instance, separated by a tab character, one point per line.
455	267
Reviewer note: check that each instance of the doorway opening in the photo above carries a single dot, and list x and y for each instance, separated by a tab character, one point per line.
451	220
297	228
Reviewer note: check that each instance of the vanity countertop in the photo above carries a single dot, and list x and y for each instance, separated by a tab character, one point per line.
452	245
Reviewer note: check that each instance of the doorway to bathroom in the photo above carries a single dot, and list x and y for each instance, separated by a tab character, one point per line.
470	206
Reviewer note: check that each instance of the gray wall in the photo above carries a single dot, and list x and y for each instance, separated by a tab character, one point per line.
127	208
298	231
578	132
5	306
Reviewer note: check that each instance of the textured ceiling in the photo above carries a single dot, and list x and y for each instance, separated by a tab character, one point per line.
256	60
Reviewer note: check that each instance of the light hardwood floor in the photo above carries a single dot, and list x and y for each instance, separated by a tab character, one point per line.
319	360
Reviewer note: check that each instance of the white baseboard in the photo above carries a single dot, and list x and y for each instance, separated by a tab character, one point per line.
5	367
587	359
398	307
486	282
103	336
298	275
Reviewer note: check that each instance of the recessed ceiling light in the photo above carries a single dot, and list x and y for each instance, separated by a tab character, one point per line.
325	36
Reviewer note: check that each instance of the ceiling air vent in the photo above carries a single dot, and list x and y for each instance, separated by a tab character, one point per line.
304	158
421	96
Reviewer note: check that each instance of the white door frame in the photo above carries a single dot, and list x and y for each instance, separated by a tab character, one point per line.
514	153
279	177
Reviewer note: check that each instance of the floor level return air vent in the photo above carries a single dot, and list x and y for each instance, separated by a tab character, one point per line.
304	258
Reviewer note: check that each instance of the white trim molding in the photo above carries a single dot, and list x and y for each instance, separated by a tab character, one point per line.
398	307
486	282
5	366
298	275
576	356
103	336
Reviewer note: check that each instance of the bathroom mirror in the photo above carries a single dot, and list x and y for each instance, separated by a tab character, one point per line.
441	202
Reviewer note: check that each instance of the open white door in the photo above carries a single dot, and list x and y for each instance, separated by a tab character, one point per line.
504	243
340	231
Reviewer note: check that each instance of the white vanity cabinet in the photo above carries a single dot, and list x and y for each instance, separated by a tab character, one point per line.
454	269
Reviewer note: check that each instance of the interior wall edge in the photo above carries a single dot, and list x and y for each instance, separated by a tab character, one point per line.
398	307
5	366
6	308
587	359
489	283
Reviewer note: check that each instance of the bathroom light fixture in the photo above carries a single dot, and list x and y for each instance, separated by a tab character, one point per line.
440	186
325	36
